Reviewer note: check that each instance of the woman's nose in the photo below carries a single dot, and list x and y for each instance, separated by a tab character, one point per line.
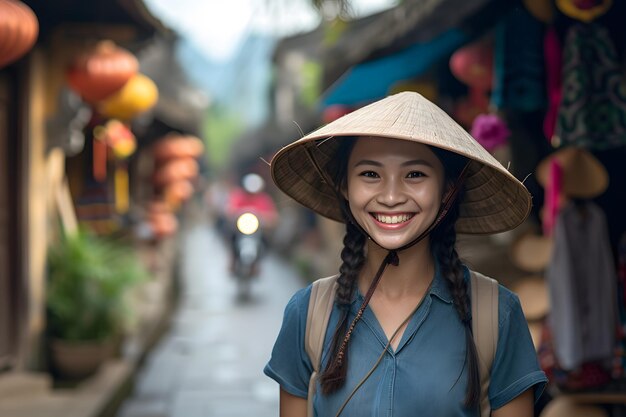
392	193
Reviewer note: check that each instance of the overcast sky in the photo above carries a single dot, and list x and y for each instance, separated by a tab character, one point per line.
218	26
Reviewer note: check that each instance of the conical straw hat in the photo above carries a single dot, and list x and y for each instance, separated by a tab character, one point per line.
584	176
494	201
532	252
533	296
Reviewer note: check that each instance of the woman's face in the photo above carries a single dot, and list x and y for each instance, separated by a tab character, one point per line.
394	189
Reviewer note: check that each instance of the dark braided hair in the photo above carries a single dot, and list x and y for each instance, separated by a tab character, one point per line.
443	247
352	256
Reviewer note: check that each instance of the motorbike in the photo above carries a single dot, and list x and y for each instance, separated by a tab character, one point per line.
248	248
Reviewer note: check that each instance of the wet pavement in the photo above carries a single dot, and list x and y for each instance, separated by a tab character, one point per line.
210	361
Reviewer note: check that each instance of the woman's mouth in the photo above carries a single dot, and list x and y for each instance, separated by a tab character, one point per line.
392	219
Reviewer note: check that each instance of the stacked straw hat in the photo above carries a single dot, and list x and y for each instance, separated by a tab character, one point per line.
494	200
532	252
583	175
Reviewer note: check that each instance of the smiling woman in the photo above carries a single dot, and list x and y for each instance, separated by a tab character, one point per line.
404	178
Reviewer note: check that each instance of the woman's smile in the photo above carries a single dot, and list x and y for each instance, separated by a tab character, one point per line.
392	220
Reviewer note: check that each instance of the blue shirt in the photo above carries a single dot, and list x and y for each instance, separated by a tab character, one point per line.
425	374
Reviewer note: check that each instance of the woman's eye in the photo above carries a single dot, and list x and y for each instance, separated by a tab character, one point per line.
416	174
369	174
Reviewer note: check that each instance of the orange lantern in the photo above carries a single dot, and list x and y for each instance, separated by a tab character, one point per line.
18	30
101	71
176	170
473	65
178	192
138	95
174	146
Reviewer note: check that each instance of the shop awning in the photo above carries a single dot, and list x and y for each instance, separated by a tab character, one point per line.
372	80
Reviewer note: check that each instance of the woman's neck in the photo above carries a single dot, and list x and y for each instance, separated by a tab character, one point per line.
412	276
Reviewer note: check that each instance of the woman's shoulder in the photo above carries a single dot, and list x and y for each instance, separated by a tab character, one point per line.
300	299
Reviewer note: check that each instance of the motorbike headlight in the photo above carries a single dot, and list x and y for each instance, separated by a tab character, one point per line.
247	223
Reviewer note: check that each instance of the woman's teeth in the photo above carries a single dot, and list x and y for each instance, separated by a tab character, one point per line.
400	218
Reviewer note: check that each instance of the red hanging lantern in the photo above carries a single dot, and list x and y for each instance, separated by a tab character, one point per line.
18	30
473	65
101	71
175	146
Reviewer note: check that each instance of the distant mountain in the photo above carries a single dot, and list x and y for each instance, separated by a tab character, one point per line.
241	83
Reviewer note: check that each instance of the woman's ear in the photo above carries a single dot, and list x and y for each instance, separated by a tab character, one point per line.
344	191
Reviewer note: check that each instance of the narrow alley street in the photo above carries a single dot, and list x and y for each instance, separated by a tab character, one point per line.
210	361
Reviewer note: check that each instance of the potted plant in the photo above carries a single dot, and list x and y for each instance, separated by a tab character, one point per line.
87	300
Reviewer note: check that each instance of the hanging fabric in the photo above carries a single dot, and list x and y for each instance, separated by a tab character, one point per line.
592	113
582	281
552	56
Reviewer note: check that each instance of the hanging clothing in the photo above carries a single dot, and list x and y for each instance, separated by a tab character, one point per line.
592	113
582	280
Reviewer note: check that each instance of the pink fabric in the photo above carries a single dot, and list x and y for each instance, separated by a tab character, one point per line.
552	54
552	194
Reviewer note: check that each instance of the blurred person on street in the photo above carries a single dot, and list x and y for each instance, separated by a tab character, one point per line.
250	197
405	178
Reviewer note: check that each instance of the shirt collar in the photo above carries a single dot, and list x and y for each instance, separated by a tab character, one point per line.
439	286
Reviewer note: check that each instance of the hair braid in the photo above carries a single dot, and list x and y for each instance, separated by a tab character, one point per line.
451	268
352	256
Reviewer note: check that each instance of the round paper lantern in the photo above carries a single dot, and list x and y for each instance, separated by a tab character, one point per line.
473	65
138	95
176	170
101	71
18	30
178	192
177	146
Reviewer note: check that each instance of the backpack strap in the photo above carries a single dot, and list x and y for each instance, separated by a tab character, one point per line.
320	306
484	299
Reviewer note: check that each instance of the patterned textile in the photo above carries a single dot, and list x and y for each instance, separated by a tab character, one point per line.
592	113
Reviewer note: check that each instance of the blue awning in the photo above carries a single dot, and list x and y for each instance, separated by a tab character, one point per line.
372	80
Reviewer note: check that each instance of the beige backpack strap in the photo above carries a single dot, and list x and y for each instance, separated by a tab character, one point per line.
320	306
484	298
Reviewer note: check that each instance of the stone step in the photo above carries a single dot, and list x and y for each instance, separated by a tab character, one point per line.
27	384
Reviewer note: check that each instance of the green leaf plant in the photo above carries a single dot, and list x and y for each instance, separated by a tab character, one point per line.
89	279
